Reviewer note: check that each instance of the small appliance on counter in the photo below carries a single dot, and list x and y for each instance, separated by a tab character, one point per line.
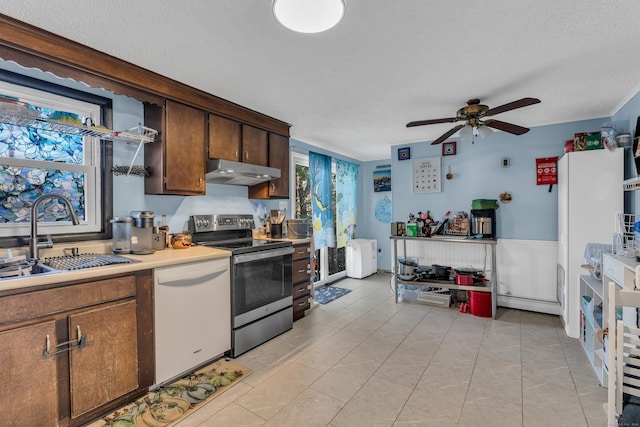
483	223
298	228
135	233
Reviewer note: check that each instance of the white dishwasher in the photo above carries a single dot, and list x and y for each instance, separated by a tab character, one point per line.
192	316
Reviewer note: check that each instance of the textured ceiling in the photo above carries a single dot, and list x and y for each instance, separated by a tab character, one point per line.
353	89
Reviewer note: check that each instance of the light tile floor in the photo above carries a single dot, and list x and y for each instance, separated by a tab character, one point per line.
363	360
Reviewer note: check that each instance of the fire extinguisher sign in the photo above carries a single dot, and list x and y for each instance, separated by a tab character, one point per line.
547	171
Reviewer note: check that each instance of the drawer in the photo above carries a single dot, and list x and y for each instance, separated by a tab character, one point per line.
301	270
302	251
300	305
301	289
613	269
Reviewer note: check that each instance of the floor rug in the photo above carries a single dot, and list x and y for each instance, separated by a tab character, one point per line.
170	404
326	294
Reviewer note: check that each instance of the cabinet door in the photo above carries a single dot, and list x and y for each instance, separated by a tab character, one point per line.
29	392
184	146
224	138
107	367
254	146
278	158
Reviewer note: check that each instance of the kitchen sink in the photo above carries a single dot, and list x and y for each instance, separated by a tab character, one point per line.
39	269
62	264
28	271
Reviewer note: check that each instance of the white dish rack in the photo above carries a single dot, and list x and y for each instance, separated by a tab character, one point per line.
626	241
425	295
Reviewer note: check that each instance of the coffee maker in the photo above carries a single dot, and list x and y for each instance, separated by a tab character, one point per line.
483	223
134	234
142	232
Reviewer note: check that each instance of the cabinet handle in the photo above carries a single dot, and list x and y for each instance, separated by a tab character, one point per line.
302	271
301	290
80	342
302	304
273	187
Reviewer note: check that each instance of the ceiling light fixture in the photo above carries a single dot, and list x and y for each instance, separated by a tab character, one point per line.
466	133
484	131
308	16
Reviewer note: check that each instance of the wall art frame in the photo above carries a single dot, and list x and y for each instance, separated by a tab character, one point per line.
404	153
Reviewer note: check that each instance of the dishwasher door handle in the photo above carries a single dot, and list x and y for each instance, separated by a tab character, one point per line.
177	279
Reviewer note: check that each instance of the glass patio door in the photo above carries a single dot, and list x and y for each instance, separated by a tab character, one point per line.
329	263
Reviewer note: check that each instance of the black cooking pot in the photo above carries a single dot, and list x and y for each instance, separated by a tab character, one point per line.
440	272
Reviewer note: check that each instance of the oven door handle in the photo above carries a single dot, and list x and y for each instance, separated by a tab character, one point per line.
260	255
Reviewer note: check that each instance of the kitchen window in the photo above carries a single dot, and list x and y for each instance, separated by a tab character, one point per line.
329	263
38	161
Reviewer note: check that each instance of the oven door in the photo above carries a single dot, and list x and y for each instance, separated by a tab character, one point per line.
261	284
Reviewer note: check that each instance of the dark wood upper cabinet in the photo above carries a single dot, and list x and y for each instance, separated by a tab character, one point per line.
224	138
278	158
176	160
254	146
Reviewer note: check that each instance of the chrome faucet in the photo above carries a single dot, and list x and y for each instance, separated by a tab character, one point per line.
34	245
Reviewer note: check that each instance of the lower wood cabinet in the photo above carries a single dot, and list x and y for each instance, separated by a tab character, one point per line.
72	352
301	278
28	396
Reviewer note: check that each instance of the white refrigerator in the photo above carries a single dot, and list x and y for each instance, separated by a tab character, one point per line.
589	195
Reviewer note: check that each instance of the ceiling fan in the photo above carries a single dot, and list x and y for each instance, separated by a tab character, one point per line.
473	115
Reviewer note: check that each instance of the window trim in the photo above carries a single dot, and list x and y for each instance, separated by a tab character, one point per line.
104	147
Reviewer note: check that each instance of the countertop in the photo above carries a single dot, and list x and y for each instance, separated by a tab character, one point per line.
162	258
259	236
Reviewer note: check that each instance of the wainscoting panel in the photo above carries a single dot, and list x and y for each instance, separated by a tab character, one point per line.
527	275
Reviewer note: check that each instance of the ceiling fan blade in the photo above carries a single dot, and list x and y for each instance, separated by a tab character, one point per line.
511	106
507	127
432	122
447	135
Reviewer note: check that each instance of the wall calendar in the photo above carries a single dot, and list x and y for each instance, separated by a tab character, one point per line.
427	175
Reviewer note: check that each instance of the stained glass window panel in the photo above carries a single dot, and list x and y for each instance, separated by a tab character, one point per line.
20	186
40	144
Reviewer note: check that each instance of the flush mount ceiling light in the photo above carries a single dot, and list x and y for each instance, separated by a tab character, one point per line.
308	16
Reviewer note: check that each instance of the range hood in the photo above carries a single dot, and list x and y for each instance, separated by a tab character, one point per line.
221	171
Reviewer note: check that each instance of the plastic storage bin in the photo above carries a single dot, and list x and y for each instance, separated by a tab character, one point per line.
480	303
361	257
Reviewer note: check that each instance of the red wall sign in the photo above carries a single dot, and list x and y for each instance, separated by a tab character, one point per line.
547	171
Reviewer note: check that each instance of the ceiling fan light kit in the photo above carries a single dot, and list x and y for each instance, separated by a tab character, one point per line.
473	114
308	16
466	133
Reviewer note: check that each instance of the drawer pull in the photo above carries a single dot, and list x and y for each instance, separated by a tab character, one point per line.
80	342
302	290
302	271
302	304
